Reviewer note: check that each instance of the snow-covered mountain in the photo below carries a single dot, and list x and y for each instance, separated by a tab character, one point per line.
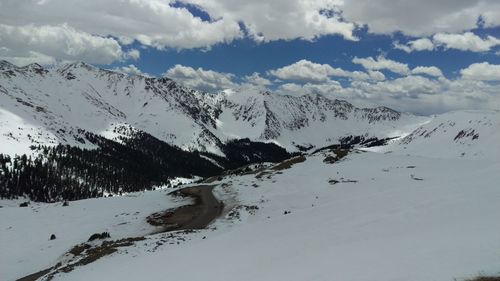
368	217
458	134
56	105
422	207
137	119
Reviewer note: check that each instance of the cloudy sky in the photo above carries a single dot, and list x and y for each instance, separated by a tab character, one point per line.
427	56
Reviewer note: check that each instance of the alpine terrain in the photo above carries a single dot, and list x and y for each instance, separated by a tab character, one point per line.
108	176
110	132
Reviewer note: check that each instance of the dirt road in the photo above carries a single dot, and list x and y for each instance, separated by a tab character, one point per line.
196	216
206	208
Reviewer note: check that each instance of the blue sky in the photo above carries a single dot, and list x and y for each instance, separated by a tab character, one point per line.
426	57
245	56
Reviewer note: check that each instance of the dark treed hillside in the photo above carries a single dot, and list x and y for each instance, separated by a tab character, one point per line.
140	163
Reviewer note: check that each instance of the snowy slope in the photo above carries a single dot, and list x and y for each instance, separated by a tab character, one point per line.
306	120
79	96
17	135
73	97
25	232
389	217
416	209
458	134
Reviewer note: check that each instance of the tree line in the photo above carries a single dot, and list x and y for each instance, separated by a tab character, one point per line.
137	163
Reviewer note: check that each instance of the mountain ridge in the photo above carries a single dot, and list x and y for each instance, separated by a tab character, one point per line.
62	120
77	95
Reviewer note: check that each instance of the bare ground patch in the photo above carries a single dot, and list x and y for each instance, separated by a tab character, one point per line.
339	153
196	216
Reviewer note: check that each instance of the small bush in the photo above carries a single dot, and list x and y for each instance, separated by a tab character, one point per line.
96	236
53	237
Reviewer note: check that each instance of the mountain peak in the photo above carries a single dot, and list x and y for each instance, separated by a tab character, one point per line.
182	116
75	65
5	65
33	68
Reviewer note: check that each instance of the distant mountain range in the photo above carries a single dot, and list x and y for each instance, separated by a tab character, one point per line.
54	105
76	131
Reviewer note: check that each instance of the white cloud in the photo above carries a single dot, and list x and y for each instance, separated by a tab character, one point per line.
423	89
200	79
257	80
160	24
428	70
481	71
25	58
417	94
421	18
429	94
281	19
304	71
151	22
131	70
402	47
310	72
376	75
45	44
133	54
328	88
426	95
410	86
381	63
467	41
422	44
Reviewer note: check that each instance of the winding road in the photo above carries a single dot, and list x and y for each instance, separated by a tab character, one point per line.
209	208
199	215
206	208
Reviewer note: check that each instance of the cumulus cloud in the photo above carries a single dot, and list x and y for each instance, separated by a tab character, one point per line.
133	54
170	24
200	79
328	88
381	63
161	24
47	43
305	71
311	72
151	22
428	70
282	19
421	18
423	90
375	75
467	41
410	86
257	80
481	71
422	44
99	27
416	94
25	58
426	95
131	70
